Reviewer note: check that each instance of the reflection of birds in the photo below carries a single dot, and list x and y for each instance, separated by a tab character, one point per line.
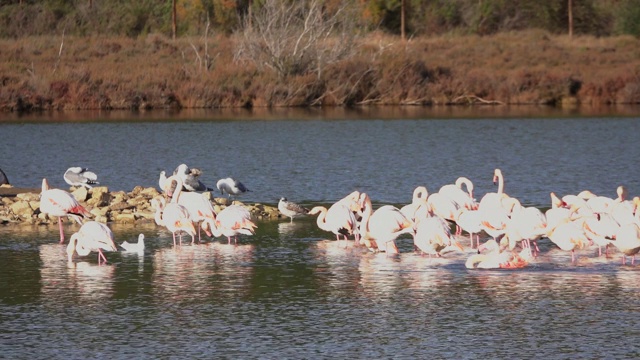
134	247
231	186
190	178
234	220
79	176
56	202
3	178
92	236
291	209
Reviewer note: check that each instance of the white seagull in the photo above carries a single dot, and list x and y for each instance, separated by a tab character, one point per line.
134	247
231	186
79	176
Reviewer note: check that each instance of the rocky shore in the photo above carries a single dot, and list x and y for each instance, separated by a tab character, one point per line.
22	206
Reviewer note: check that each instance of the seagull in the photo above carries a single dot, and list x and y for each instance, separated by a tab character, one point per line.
291	209
79	176
134	247
231	186
189	176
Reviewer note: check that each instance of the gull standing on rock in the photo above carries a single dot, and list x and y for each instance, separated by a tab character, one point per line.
291	209
79	176
231	186
189	176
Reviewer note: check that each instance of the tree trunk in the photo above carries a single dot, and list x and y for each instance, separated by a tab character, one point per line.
570	10
402	19
174	15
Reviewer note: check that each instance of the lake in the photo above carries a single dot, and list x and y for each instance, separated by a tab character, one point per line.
290	291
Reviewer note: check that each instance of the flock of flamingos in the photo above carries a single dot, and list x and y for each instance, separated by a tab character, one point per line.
435	221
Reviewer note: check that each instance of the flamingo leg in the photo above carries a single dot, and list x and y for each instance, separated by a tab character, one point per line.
61	232
174	239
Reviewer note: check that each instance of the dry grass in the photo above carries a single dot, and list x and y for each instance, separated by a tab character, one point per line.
529	67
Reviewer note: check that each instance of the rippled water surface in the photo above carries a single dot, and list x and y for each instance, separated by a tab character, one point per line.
288	291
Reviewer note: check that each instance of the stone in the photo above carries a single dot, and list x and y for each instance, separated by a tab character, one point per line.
124	218
22	209
81	194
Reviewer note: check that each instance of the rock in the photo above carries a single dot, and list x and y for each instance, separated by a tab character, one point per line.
81	194
22	209
124	218
100	197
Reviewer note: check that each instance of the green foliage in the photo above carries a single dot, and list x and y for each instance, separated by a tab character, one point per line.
628	18
140	17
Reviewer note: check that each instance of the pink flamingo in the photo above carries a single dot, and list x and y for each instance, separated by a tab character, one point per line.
56	202
380	229
234	220
338	219
174	217
200	209
92	236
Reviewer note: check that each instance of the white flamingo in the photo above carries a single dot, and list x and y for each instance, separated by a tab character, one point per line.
380	229
418	206
628	241
92	236
338	219
56	202
462	198
432	235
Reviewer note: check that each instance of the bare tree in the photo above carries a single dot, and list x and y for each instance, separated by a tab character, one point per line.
174	20
570	11
297	37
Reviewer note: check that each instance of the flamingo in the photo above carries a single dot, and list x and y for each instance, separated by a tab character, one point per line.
496	258
79	176
233	220
600	229
338	219
494	199
383	226
568	235
433	235
199	207
174	217
628	241
56	202
92	236
291	209
134	247
471	222
455	193
527	225
418	205
231	186
444	207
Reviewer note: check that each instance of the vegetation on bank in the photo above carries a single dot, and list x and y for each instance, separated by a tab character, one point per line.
316	53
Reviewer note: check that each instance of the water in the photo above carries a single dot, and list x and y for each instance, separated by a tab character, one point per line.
288	291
